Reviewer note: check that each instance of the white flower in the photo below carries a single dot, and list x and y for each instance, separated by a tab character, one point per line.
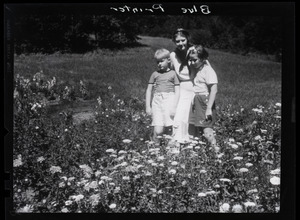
123	164
238	158
231	140
139	166
61	185
257	138
237	209
122	152
212	192
126	178
117	189
154	164
110	150
93	185
224	208
87	170
220	155
147	173
126	141
243	170
234	146
55	169
77	198
18	162
40	159
249	164
174	163
225	180
274	172
239	130
112	206
252	191
172	171
25	209
97	173
203	171
258	110
94	199
174	151
275	180
278	104
201	194
161	158
160	192
71	178
150	161
263	131
64	210
103	177
251	204
68	202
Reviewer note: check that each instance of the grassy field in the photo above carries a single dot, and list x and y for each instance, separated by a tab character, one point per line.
67	164
243	81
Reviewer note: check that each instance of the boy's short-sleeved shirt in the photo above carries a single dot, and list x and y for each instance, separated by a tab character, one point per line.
204	77
164	82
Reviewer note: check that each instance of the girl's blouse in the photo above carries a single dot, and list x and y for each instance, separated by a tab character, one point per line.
204	77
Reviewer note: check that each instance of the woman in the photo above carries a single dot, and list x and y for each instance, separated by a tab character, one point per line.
179	62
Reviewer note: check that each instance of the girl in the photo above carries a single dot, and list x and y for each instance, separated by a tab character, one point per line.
203	111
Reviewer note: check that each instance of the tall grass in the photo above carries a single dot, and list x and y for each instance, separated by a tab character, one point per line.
243	81
108	164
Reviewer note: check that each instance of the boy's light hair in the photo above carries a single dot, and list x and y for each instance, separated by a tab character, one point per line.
162	53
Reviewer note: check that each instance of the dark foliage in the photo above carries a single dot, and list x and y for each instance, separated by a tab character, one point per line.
68	33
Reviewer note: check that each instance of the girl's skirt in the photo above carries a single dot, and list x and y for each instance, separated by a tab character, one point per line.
197	112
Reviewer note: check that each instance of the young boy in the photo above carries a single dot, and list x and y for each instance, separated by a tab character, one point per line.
164	86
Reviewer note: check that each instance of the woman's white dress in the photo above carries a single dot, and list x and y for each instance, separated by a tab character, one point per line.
181	119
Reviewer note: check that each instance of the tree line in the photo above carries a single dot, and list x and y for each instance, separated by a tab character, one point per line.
82	33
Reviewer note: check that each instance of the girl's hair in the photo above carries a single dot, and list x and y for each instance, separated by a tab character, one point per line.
162	53
200	51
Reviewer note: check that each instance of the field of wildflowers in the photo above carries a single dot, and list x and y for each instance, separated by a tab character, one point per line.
108	164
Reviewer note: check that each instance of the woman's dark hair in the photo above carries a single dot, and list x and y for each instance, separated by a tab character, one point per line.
184	33
181	32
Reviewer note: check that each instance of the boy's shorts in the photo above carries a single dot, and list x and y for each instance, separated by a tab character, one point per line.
162	107
197	112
